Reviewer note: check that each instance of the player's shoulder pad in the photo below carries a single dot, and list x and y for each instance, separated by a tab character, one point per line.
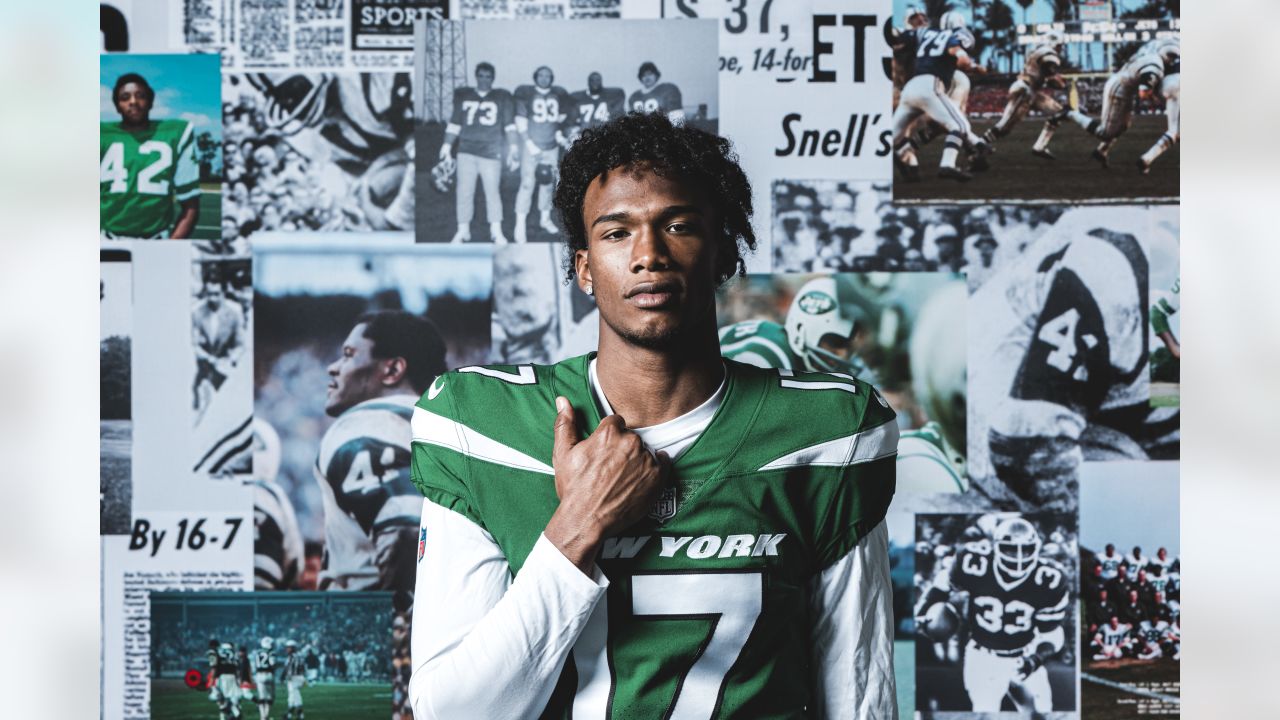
380	421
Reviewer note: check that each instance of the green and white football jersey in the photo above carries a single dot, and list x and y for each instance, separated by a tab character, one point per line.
1165	309
143	174
708	605
760	343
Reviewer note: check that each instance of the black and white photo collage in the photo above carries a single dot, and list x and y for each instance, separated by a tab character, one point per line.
972	205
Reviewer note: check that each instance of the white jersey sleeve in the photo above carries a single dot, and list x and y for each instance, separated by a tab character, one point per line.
852	634
484	645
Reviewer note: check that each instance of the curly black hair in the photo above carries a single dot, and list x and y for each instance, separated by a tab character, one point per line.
652	141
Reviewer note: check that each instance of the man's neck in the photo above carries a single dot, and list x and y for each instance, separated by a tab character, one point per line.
647	386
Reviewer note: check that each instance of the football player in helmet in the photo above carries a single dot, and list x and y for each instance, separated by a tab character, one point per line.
223	683
940	53
264	676
1169	50
819	334
1017	603
147	169
1141	74
654	96
541	110
483	124
362	467
1032	90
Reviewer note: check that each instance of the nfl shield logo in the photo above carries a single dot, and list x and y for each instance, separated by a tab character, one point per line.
665	506
422	543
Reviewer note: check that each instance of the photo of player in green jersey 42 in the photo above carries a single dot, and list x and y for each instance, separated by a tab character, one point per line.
995	613
347	338
490	143
161	143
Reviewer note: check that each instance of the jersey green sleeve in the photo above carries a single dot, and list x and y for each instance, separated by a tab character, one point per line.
439	462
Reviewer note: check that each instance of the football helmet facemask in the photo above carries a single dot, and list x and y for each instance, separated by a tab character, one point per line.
1017	548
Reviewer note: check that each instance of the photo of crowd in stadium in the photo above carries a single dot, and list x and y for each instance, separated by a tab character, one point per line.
1044	102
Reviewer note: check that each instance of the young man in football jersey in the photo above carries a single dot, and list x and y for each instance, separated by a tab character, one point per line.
224	686
655	97
148	173
651	530
362	468
483	123
540	113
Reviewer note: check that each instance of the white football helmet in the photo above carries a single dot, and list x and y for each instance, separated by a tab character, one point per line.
951	20
916	17
938	371
267	643
1017	546
816	311
267	451
290	645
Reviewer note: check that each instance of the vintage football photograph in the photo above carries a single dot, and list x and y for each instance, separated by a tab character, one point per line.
538	316
1036	102
115	475
161	160
317	151
222	386
351	331
902	332
995	613
262	655
1131	589
1166	325
1059	355
500	102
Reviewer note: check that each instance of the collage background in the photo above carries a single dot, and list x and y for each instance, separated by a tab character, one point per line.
758	218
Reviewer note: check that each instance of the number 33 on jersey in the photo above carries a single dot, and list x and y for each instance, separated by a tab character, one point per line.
708	609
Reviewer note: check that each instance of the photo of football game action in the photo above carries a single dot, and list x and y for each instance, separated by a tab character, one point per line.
995	613
501	101
351	330
537	316
1131	587
899	331
1059	354
258	655
160	161
317	151
115	476
1036	102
